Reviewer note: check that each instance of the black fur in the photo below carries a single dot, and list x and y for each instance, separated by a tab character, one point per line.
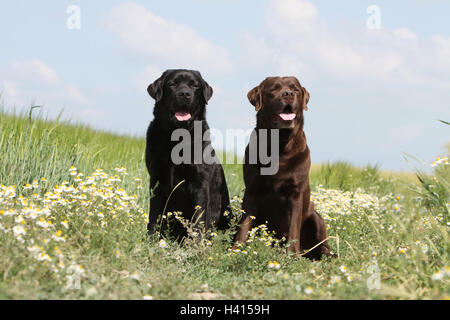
205	186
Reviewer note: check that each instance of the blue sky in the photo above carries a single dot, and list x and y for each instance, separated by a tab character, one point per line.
374	93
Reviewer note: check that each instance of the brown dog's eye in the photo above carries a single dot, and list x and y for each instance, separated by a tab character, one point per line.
275	87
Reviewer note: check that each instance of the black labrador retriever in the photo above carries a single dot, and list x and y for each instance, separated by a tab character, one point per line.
196	189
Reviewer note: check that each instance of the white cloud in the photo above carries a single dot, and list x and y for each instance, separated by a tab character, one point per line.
405	34
33	81
442	50
256	50
144	33
290	66
74	94
297	41
34	70
150	74
11	90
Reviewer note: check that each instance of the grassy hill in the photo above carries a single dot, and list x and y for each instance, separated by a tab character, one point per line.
73	210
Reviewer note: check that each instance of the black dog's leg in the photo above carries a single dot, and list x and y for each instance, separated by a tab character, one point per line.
202	210
157	204
223	223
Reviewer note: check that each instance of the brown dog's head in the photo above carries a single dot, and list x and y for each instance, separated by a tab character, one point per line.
280	102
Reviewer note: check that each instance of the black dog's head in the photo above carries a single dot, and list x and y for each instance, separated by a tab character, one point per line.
181	97
280	102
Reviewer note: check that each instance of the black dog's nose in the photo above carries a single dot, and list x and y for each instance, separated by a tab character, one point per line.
184	94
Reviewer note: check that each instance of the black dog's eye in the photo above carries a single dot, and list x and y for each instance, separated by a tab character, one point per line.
194	85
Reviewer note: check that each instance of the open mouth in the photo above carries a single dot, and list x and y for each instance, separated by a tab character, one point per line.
183	116
287	116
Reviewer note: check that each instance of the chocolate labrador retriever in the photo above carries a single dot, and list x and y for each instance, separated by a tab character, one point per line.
283	199
195	188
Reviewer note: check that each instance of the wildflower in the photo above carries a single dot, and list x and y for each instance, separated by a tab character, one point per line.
343	269
73	171
65	224
121	170
20	220
19	230
135	276
147	297
34	249
447	271
77	269
402	250
396	208
335	279
57	236
309	290
438	276
163	244
42	223
43	257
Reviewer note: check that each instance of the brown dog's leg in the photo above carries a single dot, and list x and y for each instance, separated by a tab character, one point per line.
313	232
295	224
246	222
242	235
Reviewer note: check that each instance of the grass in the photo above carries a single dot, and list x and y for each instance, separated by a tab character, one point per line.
389	230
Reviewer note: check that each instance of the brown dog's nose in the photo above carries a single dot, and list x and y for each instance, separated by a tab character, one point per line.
288	93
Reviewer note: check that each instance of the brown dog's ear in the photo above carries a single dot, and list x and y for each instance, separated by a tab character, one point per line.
255	97
305	98
155	90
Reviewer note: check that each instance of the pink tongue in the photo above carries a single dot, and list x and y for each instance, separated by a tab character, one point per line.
182	116
287	116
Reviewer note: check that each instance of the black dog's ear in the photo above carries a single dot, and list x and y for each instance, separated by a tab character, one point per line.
305	99
255	97
207	91
155	90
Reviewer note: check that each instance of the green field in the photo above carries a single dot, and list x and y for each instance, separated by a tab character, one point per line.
73	211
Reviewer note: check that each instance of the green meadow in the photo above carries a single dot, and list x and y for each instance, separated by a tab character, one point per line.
73	211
